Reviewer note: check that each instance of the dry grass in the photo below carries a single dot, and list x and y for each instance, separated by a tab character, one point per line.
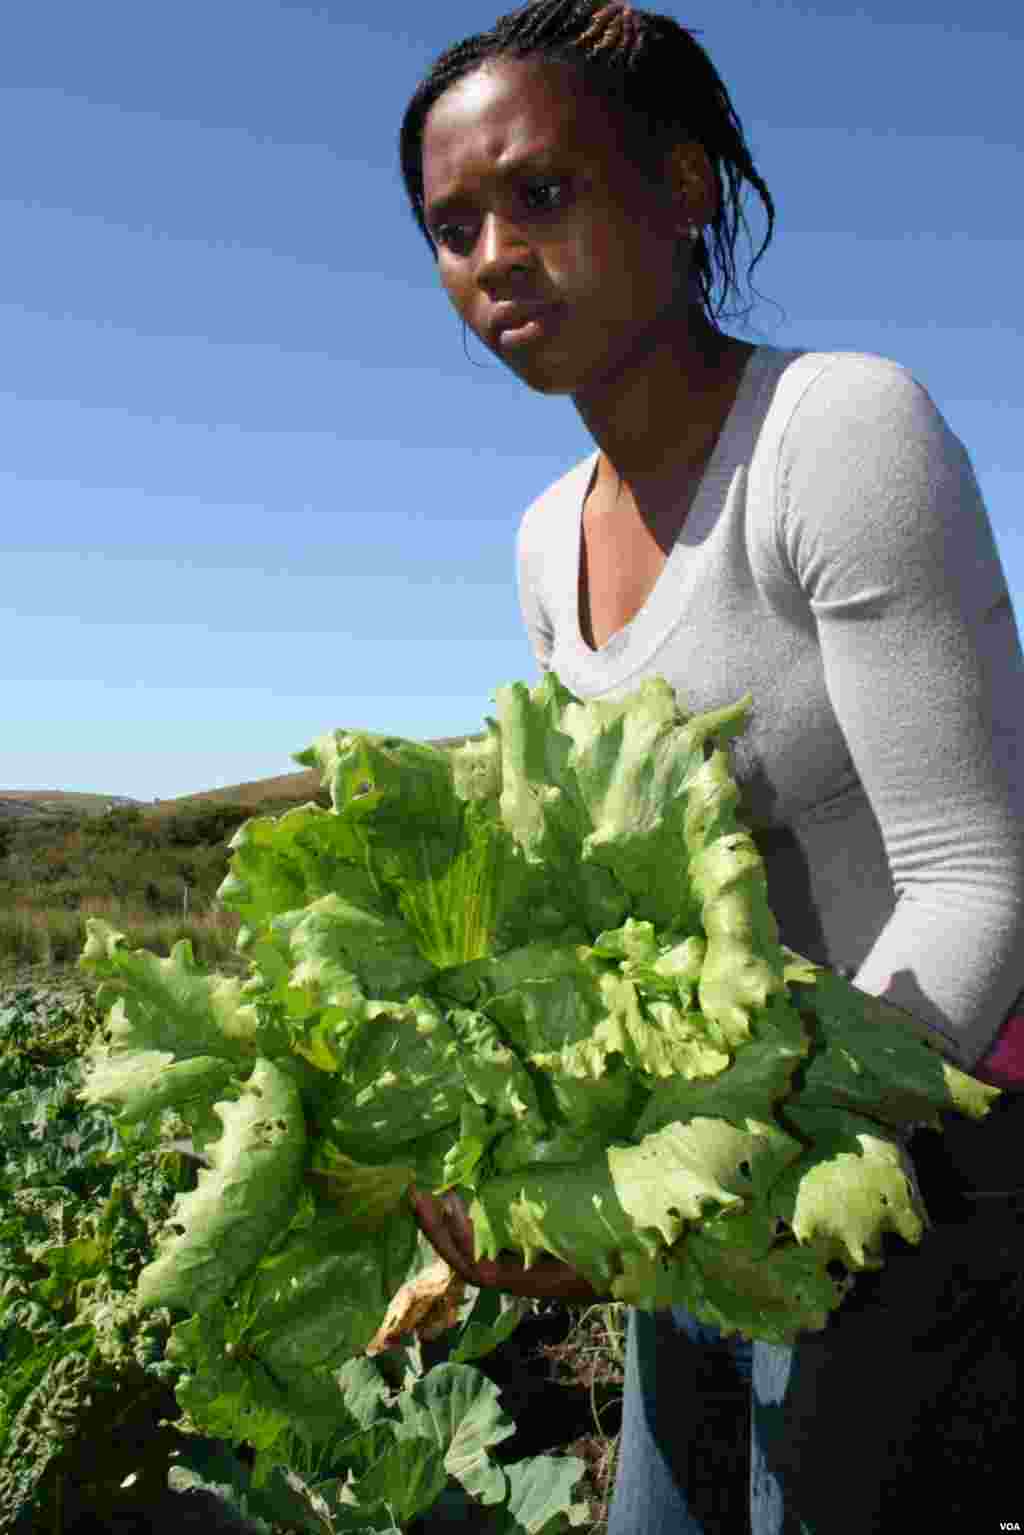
53	939
594	1356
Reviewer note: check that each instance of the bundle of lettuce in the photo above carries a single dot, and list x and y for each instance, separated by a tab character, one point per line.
542	970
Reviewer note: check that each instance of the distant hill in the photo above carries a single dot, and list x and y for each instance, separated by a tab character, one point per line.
305	784
288	786
22	803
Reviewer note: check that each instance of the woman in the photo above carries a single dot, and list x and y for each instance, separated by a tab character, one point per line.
803	526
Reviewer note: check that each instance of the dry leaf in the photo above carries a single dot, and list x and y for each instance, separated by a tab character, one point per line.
427	1306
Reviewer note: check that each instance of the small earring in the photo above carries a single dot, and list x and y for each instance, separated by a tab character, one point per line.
694	234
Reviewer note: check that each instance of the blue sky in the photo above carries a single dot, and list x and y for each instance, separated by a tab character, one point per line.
251	488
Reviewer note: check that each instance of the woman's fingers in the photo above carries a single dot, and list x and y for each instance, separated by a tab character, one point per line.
547	1279
435	1221
430	1221
457	1218
446	1224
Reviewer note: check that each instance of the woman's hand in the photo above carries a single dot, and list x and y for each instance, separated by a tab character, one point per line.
446	1224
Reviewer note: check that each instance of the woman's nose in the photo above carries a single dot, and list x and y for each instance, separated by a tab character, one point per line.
501	249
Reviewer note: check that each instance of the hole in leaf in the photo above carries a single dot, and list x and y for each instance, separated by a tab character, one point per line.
885	1199
744	1169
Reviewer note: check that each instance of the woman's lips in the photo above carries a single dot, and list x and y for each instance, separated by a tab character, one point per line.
526	329
521	335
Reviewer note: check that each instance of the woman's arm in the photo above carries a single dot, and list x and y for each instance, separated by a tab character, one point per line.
881	523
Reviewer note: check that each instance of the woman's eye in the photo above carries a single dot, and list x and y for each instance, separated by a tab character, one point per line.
547	205
450	235
459	238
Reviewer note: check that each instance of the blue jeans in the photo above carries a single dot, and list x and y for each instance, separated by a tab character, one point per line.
907	1402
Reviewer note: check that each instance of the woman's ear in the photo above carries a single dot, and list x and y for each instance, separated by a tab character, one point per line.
692	187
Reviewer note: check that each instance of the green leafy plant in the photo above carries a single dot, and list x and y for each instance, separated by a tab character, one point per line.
397	1457
540	969
77	1220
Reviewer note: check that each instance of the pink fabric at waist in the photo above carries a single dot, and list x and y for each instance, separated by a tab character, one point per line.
1003	1066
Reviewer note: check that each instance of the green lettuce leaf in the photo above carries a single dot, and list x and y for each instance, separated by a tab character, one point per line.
868	1060
757	1081
220	1230
570	1210
162	1011
636	763
267	1363
736	1273
447	861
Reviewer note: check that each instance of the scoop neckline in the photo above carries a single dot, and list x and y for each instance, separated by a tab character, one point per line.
645	625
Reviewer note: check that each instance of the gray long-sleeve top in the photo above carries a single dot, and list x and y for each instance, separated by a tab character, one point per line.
838	563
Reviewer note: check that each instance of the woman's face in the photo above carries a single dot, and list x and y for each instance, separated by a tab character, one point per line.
531	202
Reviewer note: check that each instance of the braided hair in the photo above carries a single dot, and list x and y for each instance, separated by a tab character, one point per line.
649	68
